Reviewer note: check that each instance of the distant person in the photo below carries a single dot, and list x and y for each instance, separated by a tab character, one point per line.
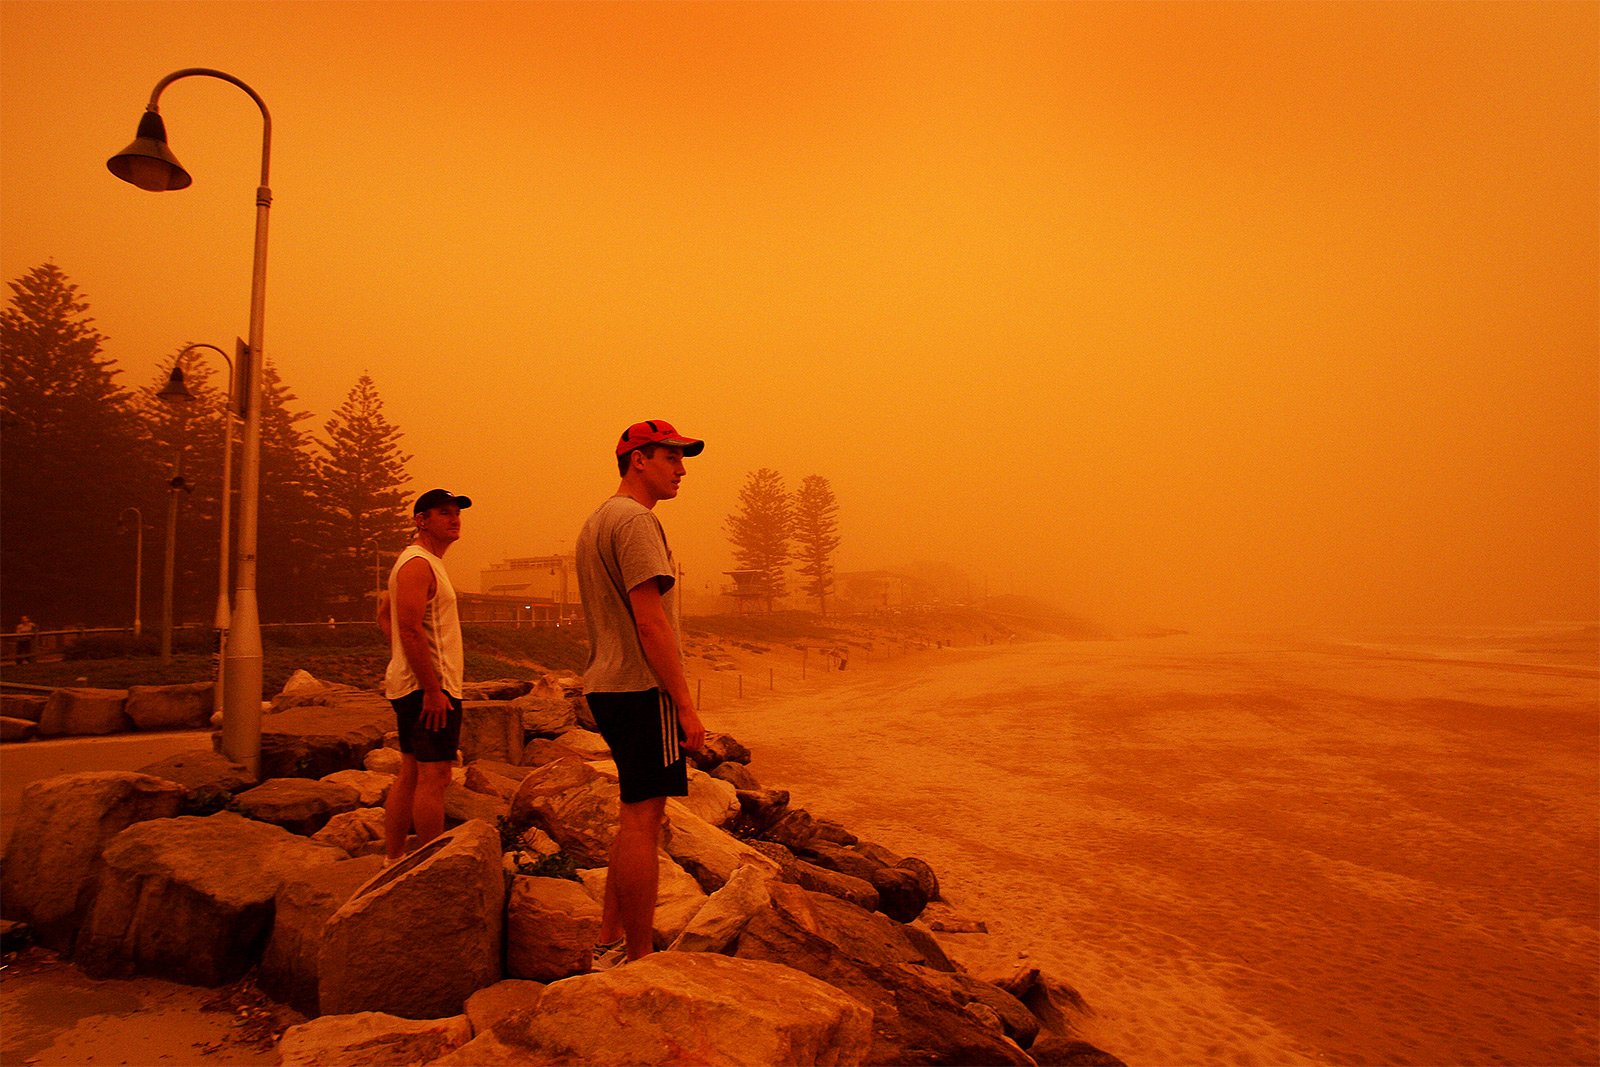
634	683
418	615
24	632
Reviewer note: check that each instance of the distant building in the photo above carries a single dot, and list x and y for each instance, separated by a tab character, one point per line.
541	589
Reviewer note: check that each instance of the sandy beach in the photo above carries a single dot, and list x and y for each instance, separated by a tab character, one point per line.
1247	851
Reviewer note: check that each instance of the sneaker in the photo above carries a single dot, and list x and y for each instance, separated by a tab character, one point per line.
608	956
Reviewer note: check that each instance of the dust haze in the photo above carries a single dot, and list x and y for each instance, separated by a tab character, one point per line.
1182	315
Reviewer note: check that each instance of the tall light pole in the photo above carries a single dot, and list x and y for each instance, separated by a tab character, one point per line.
176	390
150	164
175	485
138	565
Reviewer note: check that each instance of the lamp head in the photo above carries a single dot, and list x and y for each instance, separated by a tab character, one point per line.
148	162
175	391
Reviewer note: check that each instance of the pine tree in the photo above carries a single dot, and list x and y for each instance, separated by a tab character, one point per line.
816	534
71	460
760	530
290	582
361	492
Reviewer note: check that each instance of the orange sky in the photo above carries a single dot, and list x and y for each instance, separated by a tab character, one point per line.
1250	314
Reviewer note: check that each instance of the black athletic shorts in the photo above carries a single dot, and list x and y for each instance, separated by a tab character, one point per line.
428	746
643	734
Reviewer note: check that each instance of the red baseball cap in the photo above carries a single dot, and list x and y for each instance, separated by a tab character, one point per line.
657	432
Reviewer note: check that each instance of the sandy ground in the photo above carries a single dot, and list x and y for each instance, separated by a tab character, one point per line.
1246	852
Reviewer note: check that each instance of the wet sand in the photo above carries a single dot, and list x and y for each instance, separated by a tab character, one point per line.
1246	851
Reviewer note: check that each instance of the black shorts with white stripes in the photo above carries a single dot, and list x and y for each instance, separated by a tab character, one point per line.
643	733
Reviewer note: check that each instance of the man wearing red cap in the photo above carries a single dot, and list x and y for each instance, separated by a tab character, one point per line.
418	615
635	683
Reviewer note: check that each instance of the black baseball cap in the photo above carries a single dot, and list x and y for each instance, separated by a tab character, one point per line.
436	497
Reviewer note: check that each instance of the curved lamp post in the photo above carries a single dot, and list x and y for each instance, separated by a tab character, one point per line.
150	164
175	389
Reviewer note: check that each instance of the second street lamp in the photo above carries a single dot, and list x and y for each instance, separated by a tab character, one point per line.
175	389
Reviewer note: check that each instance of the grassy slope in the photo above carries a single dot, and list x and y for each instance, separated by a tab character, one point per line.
356	655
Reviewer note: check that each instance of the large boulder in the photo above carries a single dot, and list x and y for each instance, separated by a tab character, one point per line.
491	730
836	857
901	894
537	751
22	706
717	750
496	779
760	808
793	828
551	927
304	691
191	899
710	854
62	827
172	707
303	906
712	799
78	711
723	917
462	804
209	779
436	917
588	743
545	714
299	805
314	741
575	805
372	788
356	833
384	761
371	1039
736	775
497	689
491	1004
822	880
681	1008
17	729
919	1014
678	897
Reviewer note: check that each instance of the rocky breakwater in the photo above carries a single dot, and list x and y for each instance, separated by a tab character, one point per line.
784	938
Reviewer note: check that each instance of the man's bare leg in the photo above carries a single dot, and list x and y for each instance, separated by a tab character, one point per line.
631	880
427	806
397	809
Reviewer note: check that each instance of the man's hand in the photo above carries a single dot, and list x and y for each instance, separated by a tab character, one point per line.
435	710
694	731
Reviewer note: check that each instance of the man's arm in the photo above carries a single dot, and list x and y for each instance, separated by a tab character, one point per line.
413	589
384	622
660	646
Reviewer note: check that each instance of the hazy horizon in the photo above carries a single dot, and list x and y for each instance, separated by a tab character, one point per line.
1167	314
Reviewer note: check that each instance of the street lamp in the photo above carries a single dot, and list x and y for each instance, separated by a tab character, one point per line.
176	390
175	485
138	564
149	164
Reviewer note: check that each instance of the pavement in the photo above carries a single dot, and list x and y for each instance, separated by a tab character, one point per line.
22	762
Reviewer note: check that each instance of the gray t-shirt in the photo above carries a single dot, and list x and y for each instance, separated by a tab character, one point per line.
620	547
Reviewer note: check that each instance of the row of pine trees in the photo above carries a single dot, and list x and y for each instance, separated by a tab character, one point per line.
84	461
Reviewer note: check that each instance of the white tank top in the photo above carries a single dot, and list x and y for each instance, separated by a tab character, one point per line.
440	623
